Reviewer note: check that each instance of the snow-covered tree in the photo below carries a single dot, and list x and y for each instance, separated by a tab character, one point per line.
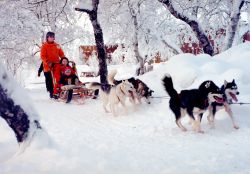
176	10
140	27
235	6
17	34
18	113
24	25
61	18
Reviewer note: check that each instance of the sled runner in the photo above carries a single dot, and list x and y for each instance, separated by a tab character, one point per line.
75	92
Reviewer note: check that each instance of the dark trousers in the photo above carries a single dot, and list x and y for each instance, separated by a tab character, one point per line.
49	83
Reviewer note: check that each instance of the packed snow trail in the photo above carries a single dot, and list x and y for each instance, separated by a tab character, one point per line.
144	141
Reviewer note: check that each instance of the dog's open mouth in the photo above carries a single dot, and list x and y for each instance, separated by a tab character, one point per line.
233	96
219	99
131	93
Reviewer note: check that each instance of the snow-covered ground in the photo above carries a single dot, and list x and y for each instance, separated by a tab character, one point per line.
85	139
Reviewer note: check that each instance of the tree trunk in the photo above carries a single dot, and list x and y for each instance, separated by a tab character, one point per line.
201	36
248	14
15	116
102	56
235	17
138	57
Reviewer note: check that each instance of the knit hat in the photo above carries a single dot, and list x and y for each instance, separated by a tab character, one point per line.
50	34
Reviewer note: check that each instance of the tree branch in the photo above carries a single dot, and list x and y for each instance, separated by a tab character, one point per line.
203	39
84	10
71	40
62	9
33	3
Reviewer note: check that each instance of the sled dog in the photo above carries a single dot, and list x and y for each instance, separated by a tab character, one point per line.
114	94
192	102
230	92
143	92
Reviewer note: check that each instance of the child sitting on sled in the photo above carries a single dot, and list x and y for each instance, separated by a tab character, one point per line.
68	77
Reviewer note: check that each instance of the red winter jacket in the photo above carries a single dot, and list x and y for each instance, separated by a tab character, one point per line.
51	53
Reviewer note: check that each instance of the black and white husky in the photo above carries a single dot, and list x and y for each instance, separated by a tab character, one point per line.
113	94
230	92
193	101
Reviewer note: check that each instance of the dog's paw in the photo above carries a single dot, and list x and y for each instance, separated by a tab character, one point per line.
210	120
212	126
201	131
236	127
184	129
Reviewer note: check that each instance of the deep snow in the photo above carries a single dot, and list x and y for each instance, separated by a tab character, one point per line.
85	139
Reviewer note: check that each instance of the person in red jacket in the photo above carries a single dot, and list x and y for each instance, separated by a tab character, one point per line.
51	53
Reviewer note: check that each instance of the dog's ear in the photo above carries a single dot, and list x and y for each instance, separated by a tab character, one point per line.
225	83
207	85
125	81
150	92
233	81
132	79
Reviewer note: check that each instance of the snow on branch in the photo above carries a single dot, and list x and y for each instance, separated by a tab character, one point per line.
192	22
176	50
84	6
37	2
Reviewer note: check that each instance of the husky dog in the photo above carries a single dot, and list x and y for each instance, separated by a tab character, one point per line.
114	94
142	90
193	101
230	92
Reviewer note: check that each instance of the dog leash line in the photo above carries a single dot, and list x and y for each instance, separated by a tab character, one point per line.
240	103
163	97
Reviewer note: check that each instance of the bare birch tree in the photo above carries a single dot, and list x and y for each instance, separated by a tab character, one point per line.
135	12
236	6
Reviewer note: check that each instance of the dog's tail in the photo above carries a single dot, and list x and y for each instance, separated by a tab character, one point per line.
169	87
98	86
111	77
93	85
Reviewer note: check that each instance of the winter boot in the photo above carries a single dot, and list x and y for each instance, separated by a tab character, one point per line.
69	96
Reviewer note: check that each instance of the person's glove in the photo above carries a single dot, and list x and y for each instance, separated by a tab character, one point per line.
39	74
50	64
